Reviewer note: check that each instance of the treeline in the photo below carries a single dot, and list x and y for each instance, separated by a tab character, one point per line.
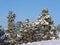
24	32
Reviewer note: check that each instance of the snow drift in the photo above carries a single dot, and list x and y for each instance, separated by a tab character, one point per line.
49	42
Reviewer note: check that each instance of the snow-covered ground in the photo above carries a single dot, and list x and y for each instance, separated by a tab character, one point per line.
49	42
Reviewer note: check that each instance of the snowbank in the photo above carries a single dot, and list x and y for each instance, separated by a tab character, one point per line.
49	42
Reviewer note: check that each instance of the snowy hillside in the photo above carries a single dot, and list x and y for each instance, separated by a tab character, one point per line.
49	42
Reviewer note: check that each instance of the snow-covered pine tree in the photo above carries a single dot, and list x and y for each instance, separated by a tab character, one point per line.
10	32
47	26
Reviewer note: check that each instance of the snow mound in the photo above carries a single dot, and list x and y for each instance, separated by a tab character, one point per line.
49	42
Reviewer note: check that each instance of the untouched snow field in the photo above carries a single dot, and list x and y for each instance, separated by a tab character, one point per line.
49	42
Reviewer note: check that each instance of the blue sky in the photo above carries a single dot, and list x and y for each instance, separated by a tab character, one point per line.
29	9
